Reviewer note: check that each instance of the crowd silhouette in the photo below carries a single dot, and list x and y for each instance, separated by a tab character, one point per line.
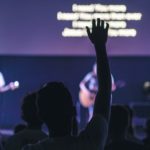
31	133
110	127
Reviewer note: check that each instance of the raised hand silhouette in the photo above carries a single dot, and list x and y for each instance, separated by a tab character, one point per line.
99	33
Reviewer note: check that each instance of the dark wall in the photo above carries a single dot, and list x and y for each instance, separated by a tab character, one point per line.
32	72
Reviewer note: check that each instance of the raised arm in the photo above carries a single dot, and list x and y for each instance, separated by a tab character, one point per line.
8	87
11	86
98	37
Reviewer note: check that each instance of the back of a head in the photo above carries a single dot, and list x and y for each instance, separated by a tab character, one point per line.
119	120
29	110
55	104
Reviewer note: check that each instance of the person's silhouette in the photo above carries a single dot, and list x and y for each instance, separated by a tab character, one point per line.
146	140
119	123
32	133
56	108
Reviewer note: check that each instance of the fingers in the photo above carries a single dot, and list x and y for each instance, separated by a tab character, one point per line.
88	32
93	23
98	22
102	24
107	26
99	26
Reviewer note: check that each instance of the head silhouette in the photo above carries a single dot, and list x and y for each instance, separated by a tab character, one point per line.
29	111
119	121
55	108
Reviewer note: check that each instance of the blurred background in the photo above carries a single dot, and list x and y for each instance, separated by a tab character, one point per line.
35	50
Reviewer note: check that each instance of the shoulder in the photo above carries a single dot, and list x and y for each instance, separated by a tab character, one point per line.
88	76
15	137
11	142
135	144
38	146
36	132
97	129
97	123
125	144
94	135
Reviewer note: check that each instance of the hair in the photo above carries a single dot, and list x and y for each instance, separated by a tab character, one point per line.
29	110
55	106
119	120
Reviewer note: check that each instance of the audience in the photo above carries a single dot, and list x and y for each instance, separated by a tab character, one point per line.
130	130
55	106
19	128
146	140
119	123
1	142
32	133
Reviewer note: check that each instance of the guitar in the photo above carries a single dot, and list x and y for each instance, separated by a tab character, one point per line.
87	99
11	86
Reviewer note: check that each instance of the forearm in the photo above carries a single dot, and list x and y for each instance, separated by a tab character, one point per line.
103	70
103	98
98	37
4	89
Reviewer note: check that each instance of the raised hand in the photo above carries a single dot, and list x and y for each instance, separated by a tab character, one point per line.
98	36
10	86
99	33
13	85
